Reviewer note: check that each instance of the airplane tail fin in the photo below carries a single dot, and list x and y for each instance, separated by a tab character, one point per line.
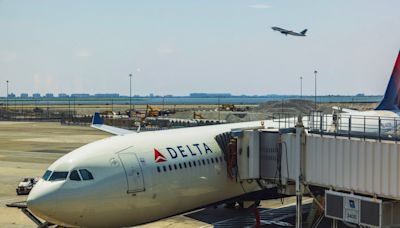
303	32
391	100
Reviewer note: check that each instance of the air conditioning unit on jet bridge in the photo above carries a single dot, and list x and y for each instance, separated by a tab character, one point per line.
361	210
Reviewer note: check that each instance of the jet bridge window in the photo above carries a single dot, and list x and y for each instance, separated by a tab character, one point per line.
74	176
57	176
85	174
46	175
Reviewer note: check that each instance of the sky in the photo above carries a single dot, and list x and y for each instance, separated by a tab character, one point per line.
180	46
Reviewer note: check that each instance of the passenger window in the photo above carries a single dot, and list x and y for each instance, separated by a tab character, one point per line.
208	161
170	167
175	167
164	168
74	176
190	164
216	160
184	164
204	162
46	175
86	175
212	160
158	169
199	163
194	163
58	176
180	166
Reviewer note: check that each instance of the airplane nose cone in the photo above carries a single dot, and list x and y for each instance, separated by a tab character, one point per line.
42	199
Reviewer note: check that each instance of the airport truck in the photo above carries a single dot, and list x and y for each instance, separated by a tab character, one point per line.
26	185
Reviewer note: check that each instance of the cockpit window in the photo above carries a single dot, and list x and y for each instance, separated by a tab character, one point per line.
74	176
46	175
58	176
85	174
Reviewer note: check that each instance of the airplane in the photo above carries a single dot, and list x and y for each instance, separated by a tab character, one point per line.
289	32
135	178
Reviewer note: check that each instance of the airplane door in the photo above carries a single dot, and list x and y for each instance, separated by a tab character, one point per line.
133	171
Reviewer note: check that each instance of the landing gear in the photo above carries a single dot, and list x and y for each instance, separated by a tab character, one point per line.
24	209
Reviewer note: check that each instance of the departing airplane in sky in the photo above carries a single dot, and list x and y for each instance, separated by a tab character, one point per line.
289	32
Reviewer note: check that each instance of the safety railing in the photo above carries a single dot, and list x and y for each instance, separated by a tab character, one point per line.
360	126
285	120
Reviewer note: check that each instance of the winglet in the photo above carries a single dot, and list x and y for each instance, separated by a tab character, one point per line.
97	119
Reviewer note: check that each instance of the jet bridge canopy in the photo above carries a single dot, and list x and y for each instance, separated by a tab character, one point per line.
353	161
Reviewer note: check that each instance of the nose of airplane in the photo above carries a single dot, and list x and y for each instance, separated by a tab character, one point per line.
42	199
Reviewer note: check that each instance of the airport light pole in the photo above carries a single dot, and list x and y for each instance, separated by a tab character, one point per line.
315	89
301	87
7	95
130	93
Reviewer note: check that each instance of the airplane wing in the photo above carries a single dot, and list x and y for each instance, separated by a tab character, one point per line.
293	33
97	123
279	29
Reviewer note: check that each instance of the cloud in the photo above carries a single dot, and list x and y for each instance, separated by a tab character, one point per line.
165	50
260	6
83	53
7	56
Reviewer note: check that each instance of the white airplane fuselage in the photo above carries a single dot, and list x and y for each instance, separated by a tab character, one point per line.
129	187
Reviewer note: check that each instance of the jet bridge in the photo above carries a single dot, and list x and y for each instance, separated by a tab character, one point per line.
360	163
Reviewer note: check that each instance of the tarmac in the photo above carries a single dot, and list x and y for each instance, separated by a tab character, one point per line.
28	148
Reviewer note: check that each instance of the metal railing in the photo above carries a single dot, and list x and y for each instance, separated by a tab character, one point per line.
342	124
285	120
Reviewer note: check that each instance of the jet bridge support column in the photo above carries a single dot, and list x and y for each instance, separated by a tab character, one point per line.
298	162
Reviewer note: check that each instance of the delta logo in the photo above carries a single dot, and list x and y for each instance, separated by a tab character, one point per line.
159	157
182	151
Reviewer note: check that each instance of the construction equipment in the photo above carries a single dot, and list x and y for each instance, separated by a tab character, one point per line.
197	116
233	108
156	112
152	112
228	107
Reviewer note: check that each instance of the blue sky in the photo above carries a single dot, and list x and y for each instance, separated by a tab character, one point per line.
178	47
